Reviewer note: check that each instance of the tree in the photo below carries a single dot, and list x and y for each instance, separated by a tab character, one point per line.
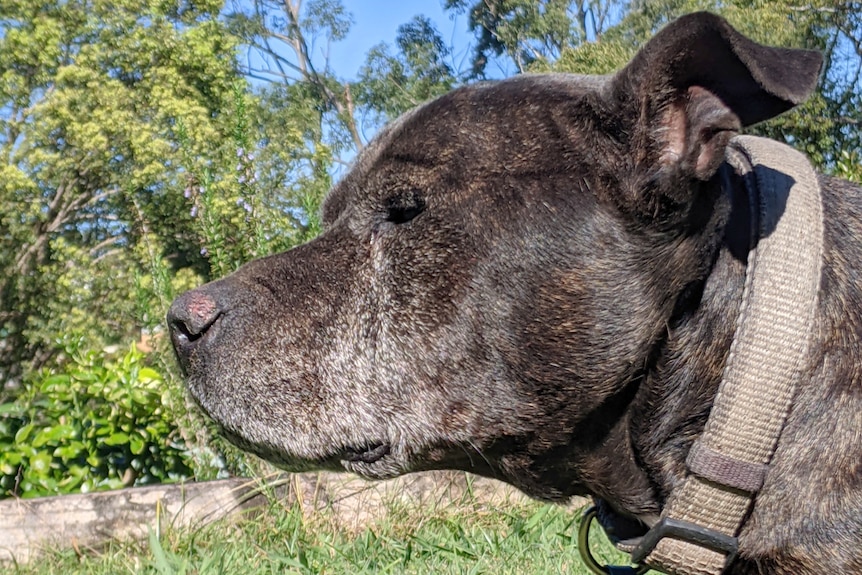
532	31
311	122
390	84
603	36
93	95
826	127
282	41
138	160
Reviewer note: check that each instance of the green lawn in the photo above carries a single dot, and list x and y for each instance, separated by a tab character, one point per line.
462	537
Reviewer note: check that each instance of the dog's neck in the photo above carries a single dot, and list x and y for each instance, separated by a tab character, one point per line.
634	454
674	398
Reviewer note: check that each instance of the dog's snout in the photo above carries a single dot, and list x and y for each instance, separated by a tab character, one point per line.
191	318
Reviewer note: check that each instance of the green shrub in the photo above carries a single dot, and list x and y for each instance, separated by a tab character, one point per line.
100	423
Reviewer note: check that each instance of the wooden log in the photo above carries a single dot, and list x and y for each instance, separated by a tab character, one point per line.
83	521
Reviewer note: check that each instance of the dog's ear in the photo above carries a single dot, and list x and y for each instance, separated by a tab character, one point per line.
695	85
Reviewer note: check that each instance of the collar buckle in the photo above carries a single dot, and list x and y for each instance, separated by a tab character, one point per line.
686	531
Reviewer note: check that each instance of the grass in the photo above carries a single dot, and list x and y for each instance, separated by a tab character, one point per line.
461	537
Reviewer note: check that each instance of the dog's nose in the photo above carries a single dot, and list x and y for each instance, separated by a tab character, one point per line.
190	319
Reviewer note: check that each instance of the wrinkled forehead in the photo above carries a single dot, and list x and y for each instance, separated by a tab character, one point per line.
428	133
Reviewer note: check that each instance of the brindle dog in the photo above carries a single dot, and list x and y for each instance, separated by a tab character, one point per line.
538	280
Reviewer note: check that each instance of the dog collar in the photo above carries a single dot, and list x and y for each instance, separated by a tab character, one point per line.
727	465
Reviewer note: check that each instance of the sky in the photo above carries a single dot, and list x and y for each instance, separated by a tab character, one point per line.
377	21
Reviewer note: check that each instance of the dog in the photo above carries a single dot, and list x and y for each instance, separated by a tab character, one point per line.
537	280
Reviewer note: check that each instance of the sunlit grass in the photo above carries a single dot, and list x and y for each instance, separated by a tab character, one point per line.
455	537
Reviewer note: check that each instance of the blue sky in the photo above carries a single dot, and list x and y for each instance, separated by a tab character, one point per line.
377	21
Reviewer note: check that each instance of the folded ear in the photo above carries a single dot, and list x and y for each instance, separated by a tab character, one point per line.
696	84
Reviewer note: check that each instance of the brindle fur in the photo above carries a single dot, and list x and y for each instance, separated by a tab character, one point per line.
538	280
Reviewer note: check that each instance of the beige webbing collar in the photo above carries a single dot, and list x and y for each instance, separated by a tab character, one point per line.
728	463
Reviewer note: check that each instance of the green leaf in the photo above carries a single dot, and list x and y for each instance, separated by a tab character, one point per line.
78	471
70	482
142	396
41	463
53	434
12	458
118	438
13	409
24	433
147	375
136	445
73	450
54	382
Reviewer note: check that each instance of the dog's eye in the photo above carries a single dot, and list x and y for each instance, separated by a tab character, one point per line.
404	207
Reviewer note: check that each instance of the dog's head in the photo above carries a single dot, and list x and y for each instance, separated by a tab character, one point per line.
494	272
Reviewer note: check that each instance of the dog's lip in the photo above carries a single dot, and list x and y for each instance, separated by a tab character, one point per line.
369	454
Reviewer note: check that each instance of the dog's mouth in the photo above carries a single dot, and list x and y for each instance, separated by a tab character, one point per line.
370	454
375	461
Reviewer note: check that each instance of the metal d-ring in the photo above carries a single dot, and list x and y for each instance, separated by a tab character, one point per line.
587	556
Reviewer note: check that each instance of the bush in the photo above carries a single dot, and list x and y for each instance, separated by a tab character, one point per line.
99	423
